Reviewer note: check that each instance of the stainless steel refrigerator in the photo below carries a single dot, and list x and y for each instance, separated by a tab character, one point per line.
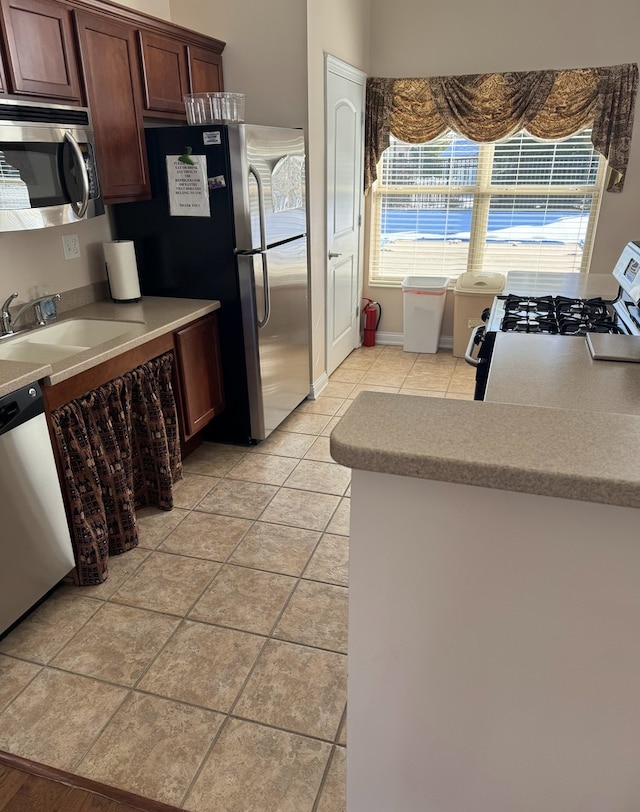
245	245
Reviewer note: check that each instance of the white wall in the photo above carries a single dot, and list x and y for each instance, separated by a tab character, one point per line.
408	39
265	54
30	260
157	8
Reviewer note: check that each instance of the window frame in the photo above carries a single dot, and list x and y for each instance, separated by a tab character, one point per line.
481	193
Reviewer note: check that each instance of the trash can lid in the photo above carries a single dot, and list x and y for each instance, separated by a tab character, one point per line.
435	283
480	282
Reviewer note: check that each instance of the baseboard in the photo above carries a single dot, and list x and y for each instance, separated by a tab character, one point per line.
390	339
397	340
318	385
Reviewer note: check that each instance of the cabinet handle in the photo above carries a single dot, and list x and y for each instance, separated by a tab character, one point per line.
333	255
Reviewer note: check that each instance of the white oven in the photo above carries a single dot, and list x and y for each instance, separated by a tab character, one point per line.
559	315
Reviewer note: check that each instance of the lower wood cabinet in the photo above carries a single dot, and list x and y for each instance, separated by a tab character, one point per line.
198	374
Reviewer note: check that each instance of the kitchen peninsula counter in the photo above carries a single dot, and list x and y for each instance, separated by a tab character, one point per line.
151	317
585	455
493	599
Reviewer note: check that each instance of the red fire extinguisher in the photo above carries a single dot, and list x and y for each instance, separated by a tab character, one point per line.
371	313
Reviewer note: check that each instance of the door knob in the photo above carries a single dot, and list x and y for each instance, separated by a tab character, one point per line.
333	255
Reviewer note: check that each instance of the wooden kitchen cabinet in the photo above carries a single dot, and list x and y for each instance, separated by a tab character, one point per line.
41	50
172	68
3	80
111	70
122	63
165	73
199	374
205	70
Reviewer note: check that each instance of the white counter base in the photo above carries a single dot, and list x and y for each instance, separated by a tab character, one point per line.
494	657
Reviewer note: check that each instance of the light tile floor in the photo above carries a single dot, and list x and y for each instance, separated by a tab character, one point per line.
209	670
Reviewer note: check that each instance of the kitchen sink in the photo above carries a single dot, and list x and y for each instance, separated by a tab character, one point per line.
63	339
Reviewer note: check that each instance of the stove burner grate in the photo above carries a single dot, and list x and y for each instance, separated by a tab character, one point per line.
558	314
539	324
578	326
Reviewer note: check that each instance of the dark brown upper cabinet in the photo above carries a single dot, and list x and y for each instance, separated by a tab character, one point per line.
41	51
111	70
122	63
165	73
3	81
205	70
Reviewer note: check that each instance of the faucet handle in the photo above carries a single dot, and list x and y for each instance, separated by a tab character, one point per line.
5	316
5	306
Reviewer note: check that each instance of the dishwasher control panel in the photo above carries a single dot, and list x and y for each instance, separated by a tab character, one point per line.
20	406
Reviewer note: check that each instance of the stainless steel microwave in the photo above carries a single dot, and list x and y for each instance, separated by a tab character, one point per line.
48	170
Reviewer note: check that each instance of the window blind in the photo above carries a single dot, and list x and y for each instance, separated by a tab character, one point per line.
452	205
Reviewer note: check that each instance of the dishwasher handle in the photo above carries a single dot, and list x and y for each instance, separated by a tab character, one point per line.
20	406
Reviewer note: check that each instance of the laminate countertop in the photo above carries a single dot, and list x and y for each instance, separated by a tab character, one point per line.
559	371
150	318
554	422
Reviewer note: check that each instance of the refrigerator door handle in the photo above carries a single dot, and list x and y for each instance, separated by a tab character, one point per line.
267	295
261	216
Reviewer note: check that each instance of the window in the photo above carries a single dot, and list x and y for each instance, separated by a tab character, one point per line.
452	205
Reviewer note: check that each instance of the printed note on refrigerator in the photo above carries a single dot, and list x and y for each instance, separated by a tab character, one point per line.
188	186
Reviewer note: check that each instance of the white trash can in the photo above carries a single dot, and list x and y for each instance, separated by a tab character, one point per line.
423	300
474	291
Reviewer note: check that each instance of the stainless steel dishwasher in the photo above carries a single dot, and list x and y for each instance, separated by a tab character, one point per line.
35	546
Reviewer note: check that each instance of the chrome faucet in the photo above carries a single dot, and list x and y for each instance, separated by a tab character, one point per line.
42	316
5	316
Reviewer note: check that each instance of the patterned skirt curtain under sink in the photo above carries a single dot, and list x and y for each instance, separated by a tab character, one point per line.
120	451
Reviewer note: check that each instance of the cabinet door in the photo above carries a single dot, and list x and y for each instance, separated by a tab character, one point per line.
205	70
42	58
199	374
3	81
111	71
165	73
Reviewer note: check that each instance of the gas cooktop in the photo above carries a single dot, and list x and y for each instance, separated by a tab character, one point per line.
560	315
556	315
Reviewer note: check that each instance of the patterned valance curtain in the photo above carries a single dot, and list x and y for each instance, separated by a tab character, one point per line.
120	451
550	104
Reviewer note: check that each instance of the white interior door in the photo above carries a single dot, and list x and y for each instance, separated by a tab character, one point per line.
344	115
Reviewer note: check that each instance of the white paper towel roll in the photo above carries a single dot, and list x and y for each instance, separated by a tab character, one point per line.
122	270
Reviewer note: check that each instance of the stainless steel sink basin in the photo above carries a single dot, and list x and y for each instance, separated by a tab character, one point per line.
57	341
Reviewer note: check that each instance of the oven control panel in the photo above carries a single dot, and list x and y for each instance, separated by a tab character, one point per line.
627	270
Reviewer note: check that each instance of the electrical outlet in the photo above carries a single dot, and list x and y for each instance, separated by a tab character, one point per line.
71	246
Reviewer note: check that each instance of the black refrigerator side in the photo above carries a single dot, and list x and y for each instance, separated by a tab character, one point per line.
193	257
